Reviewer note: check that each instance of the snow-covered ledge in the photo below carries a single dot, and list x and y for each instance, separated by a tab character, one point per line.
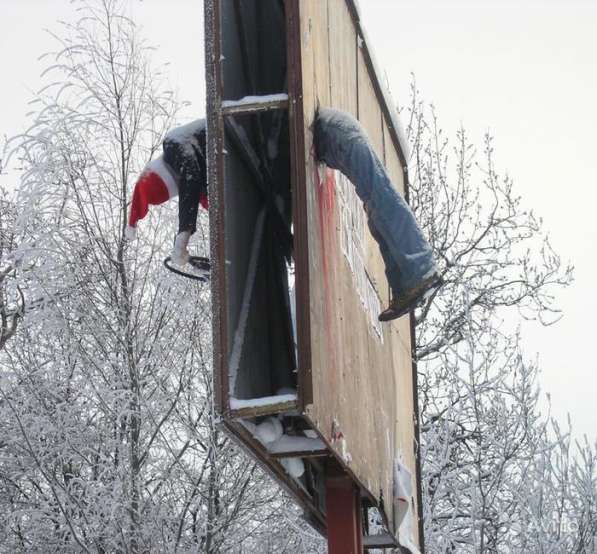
249	104
252	407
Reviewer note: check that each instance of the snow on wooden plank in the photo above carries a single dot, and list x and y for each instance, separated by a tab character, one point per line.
252	407
288	446
253	104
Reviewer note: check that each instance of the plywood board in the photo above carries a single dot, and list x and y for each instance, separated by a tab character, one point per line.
402	350
315	54
370	117
361	370
314	90
369	108
392	161
343	46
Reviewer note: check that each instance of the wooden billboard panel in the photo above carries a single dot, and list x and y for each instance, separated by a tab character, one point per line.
343	43
313	90
403	346
370	117
298	281
362	394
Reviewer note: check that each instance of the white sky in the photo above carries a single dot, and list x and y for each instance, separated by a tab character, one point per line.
524	69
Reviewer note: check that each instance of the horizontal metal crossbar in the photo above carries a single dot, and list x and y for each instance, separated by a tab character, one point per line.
385	540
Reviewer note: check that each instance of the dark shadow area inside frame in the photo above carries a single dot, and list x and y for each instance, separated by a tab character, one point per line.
257	197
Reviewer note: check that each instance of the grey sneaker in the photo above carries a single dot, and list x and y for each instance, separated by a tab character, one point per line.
411	298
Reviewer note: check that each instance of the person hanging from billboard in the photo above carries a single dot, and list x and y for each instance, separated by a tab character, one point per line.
179	171
342	144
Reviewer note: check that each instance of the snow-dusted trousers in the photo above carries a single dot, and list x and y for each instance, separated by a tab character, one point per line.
341	143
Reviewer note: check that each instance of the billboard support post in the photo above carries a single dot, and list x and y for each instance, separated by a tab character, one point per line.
344	515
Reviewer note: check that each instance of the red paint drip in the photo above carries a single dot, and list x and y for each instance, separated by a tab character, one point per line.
326	201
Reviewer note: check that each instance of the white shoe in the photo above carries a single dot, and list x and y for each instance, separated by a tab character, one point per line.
180	254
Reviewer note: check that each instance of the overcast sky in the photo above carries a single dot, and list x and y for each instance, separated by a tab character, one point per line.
526	70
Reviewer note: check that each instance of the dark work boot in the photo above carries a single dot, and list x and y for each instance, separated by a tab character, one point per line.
411	298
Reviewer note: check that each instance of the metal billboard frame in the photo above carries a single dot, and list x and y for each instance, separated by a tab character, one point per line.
217	112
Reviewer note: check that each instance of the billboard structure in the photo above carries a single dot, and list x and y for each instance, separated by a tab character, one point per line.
306	378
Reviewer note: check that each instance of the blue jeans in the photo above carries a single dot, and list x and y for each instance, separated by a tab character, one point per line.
342	144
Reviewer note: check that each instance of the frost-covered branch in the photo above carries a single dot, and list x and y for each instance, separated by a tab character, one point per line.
497	474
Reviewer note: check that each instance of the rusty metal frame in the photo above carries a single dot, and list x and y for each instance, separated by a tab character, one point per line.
270	464
215	175
417	445
231	425
344	517
221	117
299	199
216	120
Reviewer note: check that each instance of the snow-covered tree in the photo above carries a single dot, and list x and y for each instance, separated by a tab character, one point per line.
108	438
12	302
488	454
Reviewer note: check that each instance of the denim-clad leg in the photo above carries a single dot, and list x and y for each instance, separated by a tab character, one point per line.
392	270
342	144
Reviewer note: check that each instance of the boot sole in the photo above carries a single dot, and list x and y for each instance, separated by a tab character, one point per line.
434	285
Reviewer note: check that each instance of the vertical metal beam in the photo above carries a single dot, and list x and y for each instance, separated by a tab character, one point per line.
417	421
298	181
215	175
344	516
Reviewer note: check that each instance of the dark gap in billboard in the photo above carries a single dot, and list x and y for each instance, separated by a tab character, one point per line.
259	242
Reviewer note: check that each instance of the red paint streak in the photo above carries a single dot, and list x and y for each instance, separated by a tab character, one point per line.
326	201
